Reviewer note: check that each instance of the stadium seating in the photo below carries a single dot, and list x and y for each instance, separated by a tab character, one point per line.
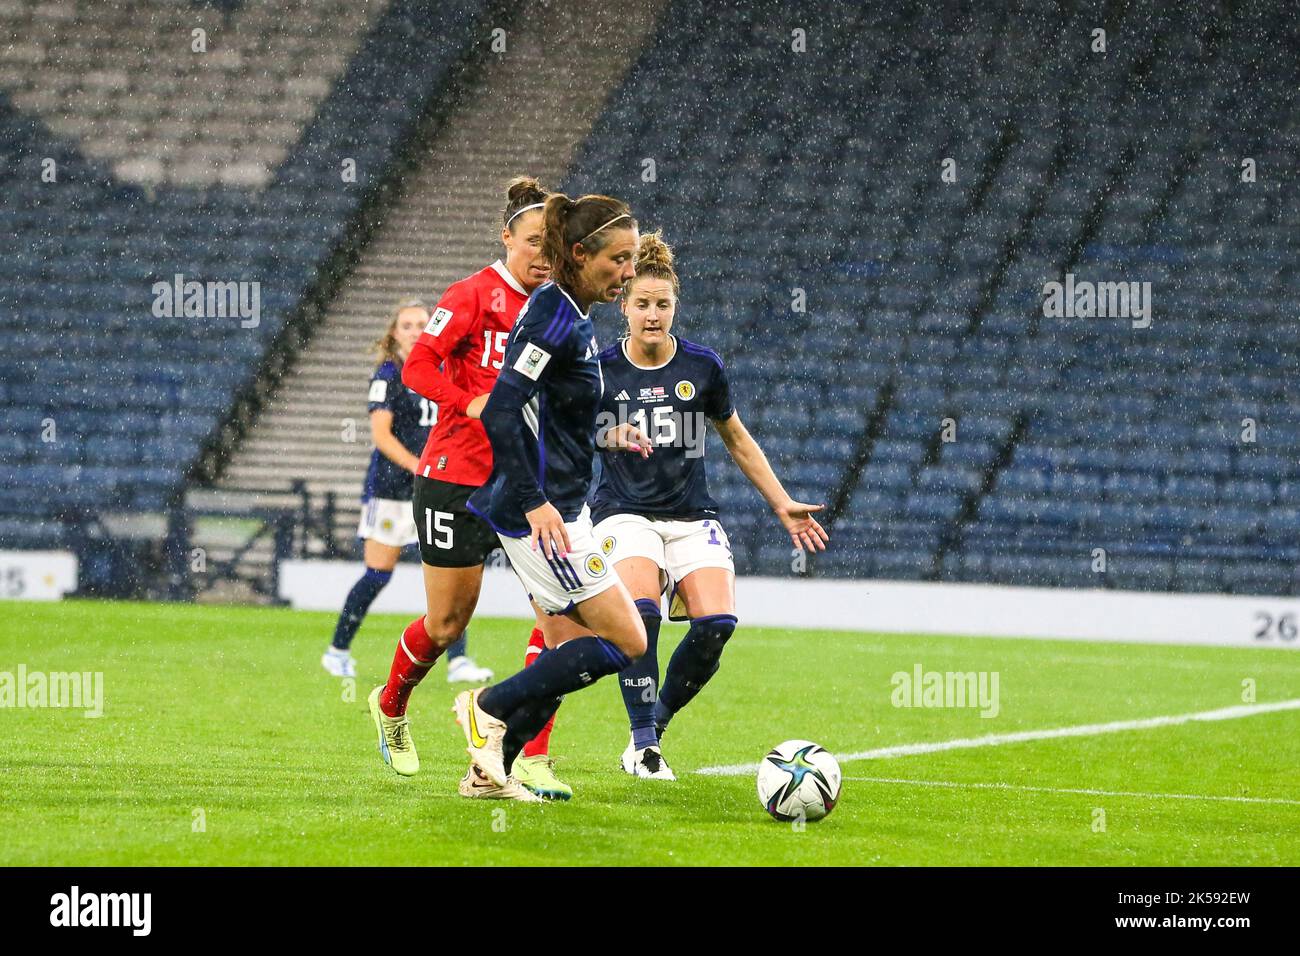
883	326
820	172
232	172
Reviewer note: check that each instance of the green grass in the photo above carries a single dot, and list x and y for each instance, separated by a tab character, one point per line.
226	711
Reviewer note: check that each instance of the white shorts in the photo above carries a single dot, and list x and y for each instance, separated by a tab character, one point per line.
388	521
559	584
677	547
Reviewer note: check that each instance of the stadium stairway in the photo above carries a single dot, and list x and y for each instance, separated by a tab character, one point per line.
522	112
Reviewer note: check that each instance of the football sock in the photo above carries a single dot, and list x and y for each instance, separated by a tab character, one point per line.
460	648
639	681
536	644
541	743
415	656
692	664
358	602
514	739
571	666
524	725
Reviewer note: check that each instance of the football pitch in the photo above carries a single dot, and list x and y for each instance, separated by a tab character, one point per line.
223	742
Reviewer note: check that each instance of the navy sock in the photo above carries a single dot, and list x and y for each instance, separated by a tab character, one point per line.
639	681
525	724
358	602
569	667
514	740
460	648
693	663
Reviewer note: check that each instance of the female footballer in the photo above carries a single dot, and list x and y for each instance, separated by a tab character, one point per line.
656	522
399	426
540	420
455	362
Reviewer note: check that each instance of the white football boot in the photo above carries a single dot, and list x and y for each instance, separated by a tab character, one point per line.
339	663
484	735
648	764
476	785
463	670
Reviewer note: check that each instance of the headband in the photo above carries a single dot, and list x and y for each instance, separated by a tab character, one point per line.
598	228
519	212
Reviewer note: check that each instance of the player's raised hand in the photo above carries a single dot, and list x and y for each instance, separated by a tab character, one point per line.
548	528
805	532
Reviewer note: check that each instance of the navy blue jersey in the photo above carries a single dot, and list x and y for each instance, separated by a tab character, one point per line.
541	416
670	403
413	416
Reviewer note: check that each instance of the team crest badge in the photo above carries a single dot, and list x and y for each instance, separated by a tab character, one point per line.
685	390
387	524
607	545
595	565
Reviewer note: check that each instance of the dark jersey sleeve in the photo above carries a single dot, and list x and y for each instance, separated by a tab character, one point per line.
541	344
717	399
384	388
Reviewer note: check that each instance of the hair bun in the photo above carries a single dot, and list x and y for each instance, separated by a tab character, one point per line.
654	252
522	189
654	259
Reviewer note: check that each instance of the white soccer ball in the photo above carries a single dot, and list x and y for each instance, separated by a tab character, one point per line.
798	780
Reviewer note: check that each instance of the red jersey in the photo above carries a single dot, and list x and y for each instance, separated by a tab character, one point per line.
466	336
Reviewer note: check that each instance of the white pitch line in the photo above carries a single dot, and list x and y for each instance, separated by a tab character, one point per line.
1089	793
994	740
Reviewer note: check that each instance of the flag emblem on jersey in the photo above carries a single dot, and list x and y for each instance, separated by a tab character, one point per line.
647	394
531	361
438	321
685	390
607	545
595	565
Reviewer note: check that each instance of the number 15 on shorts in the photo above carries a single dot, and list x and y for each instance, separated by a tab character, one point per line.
439	521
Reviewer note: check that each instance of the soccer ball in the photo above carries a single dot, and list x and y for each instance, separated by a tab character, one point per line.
798	780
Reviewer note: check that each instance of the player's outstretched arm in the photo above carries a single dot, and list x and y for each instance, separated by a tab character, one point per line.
795	516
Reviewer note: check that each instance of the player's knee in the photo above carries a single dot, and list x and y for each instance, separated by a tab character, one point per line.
713	632
444	629
634	643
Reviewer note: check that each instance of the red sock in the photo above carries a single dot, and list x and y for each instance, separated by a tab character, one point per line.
536	642
415	657
541	744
